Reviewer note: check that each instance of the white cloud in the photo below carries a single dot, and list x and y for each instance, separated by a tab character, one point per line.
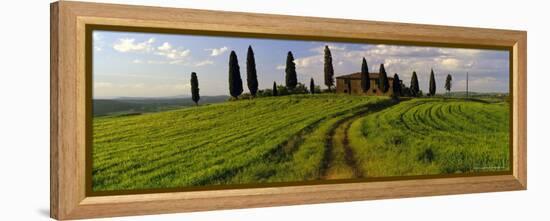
130	45
168	51
165	47
177	62
217	51
461	51
449	62
308	61
403	60
304	62
156	62
203	63
147	76
141	89
174	53
332	47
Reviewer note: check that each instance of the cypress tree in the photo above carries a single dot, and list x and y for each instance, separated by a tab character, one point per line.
290	77
365	78
432	83
235	81
329	70
195	88
383	79
312	86
448	83
251	76
396	86
275	89
415	89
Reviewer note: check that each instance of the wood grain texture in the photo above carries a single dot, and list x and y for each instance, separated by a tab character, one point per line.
520	102
54	119
68	107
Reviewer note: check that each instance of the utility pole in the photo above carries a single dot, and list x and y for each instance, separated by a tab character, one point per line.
467	93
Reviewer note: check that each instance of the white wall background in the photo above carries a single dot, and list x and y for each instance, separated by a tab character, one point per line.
24	112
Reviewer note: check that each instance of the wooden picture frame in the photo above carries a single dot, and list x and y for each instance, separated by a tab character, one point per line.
69	109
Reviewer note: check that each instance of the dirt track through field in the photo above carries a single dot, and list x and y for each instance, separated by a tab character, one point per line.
340	161
348	152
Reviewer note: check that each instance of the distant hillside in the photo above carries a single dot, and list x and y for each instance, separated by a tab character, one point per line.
136	105
477	94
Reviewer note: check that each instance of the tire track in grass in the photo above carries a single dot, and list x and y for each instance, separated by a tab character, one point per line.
282	152
349	154
285	150
339	161
336	164
183	163
201	178
443	121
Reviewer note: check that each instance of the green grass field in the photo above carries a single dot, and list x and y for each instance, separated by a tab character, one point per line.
433	136
221	143
298	138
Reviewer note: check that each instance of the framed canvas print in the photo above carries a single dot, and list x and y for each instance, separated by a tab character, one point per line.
160	110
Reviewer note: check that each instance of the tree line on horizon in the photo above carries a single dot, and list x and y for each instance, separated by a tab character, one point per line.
292	86
399	89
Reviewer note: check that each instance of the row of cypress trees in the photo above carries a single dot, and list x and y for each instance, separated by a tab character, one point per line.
397	87
448	83
432	87
383	82
235	81
415	91
414	88
236	84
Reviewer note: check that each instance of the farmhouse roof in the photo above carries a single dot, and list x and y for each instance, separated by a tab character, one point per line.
357	76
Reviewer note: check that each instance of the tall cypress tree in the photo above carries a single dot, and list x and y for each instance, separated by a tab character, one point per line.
251	76
329	70
448	83
290	77
275	93
415	89
235	81
312	86
195	88
365	78
432	83
396	85
383	80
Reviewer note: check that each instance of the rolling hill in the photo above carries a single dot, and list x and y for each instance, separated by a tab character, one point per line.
430	136
136	105
298	138
215	143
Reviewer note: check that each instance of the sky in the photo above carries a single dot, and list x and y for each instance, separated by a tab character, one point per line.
131	64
